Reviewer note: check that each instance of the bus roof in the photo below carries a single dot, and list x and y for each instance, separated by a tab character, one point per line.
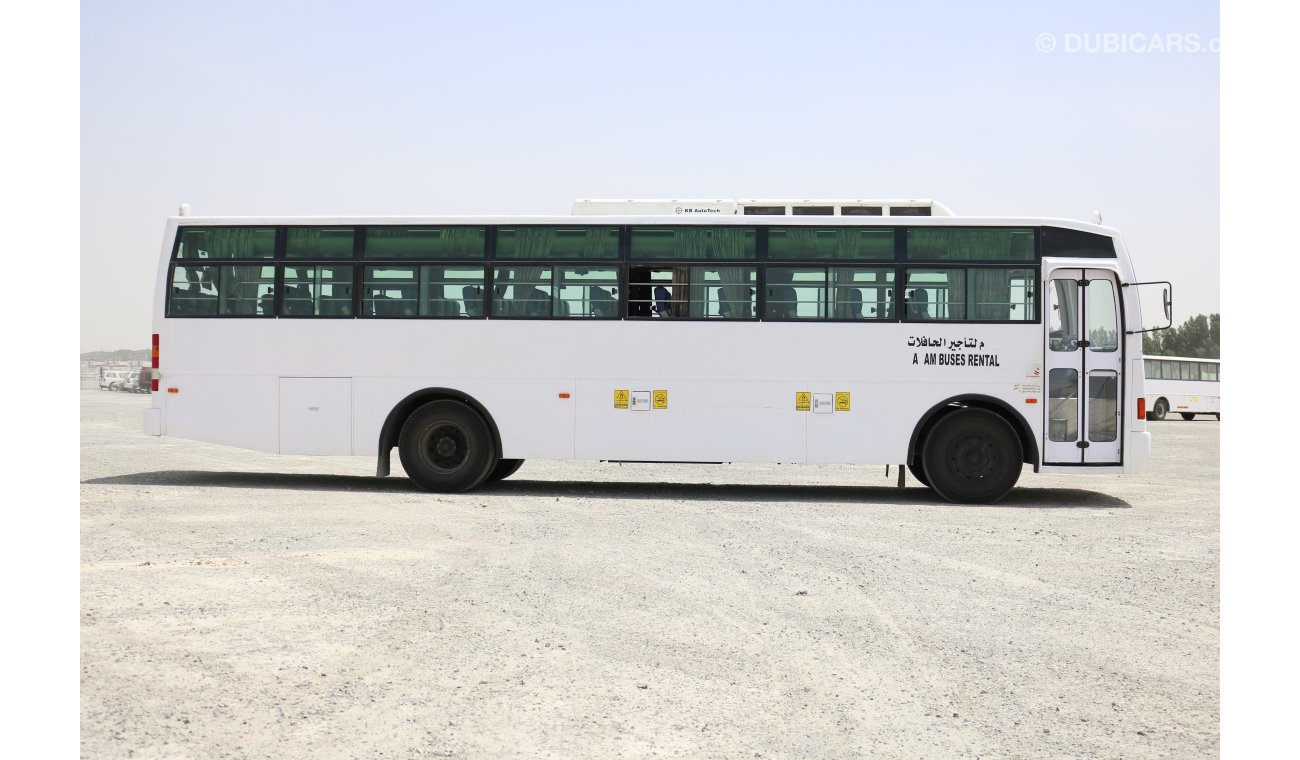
653	220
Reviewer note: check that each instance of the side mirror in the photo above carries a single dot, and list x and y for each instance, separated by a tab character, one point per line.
1166	302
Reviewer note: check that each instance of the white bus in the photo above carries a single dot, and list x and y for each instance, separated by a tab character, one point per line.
1181	384
885	332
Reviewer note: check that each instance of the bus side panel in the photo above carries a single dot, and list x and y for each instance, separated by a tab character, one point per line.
234	410
1188	396
868	424
695	421
534	420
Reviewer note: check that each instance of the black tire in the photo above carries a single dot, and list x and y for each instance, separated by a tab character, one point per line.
919	473
1160	410
1216	415
112	387
504	469
1187	416
972	456
446	447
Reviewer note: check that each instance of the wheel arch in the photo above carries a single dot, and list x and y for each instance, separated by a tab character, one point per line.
392	427
1023	431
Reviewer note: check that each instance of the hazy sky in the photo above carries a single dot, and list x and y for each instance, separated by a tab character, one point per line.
427	108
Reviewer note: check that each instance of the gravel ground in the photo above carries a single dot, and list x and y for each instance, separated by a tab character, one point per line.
238	604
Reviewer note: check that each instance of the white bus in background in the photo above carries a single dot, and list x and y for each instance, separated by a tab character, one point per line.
1181	384
795	331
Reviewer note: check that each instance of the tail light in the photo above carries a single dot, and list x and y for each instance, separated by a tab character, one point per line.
154	353
1142	409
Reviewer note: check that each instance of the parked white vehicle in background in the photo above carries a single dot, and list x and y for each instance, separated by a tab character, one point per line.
1180	384
114	379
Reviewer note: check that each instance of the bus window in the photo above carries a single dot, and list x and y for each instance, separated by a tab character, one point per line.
690	243
1103	401
935	295
723	292
557	243
940	244
246	291
828	293
1064	319
522	292
657	292
451	291
317	291
845	243
226	243
1063	405
586	292
1103	326
390	292
795	293
425	242
319	242
694	292
862	293
1002	295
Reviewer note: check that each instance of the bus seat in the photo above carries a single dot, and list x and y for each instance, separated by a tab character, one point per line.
782	302
917	303
473	296
539	305
602	303
850	304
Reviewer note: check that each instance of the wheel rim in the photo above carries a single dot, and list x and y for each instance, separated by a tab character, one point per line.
445	448
973	457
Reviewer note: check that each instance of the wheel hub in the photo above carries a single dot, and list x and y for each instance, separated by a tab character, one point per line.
973	457
446	448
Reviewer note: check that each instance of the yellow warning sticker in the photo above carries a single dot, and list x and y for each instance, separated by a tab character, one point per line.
659	400
620	399
802	401
842	401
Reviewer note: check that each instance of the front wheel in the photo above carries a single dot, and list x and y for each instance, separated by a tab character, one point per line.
1159	411
446	447
1187	416
972	457
504	469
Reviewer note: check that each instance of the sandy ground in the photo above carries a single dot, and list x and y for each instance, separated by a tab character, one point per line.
237	604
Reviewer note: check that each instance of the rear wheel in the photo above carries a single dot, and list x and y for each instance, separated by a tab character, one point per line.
504	469
446	447
918	473
1159	411
972	456
1187	416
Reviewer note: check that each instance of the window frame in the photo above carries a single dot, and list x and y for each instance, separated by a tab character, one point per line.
623	263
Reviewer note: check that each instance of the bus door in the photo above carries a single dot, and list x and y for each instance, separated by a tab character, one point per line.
1084	367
